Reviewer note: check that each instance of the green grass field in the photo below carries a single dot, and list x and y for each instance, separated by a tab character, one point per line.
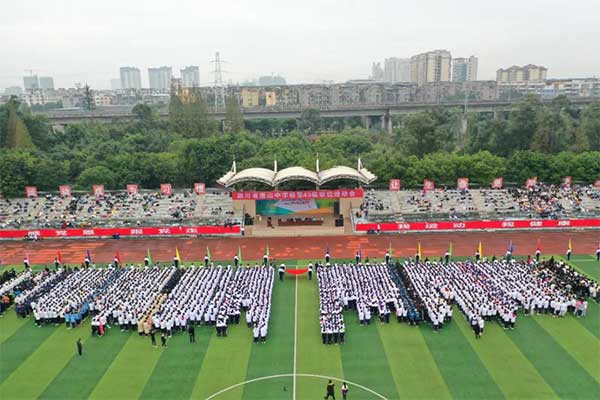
542	358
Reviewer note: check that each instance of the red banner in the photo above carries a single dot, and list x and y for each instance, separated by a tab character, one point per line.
568	180
31	191
166	189
497	183
64	190
462	184
597	184
132	188
531	182
428	185
474	225
199	188
299	194
100	232
394	185
98	190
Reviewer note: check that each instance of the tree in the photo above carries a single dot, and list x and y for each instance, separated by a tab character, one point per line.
310	121
177	117
550	135
88	98
590	125
522	125
143	112
423	134
96	175
17	134
234	120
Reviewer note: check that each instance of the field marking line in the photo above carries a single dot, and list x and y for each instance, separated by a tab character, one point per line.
263	378
295	338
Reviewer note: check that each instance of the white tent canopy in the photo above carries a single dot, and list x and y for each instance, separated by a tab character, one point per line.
274	177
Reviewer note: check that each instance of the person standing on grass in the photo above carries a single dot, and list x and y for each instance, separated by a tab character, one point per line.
153	338
344	391
163	339
330	390
310	271
598	254
79	347
192	333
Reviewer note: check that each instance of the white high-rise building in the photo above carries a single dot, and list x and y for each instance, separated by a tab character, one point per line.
190	76
31	82
46	83
464	69
130	78
432	66
396	70
160	78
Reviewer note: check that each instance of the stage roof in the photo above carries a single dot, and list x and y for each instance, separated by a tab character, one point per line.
275	177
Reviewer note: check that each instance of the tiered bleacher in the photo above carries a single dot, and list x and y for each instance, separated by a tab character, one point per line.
541	201
118	209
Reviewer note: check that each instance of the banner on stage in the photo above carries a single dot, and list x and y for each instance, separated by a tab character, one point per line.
428	185
299	194
98	190
462	184
498	183
166	189
297	206
394	185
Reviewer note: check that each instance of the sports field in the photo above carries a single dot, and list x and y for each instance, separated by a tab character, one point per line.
542	358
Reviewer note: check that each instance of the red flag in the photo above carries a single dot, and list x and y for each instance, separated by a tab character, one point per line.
539	248
59	257
118	257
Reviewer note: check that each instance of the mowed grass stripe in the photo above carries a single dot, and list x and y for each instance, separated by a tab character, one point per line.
591	321
567	378
364	359
463	370
79	377
20	345
413	368
313	357
32	377
129	371
586	265
276	356
576	340
175	372
509	368
224	364
10	323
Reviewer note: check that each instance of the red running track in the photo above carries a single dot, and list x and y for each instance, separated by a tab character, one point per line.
404	245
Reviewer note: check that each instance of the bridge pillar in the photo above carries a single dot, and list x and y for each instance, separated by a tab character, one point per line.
367	122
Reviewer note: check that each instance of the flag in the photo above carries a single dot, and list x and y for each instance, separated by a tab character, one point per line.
208	253
59	257
539	246
419	250
88	255
240	255
327	250
149	256
450	250
570	245
27	258
390	250
359	252
118	257
267	252
480	249
177	254
511	247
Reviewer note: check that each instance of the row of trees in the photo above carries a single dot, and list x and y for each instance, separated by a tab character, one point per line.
191	148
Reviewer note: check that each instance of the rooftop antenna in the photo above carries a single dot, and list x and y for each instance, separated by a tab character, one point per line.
218	86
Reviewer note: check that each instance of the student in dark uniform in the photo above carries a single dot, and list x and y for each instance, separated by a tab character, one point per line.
417	258
79	347
327	257
176	262
330	390
568	254
357	258
310	271
477	256
387	257
537	255
206	260
236	260
447	257
146	261
281	272
192	332
87	262
598	254
163	339
153	338
265	260
56	263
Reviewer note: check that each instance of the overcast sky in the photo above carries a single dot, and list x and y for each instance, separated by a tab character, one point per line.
304	41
